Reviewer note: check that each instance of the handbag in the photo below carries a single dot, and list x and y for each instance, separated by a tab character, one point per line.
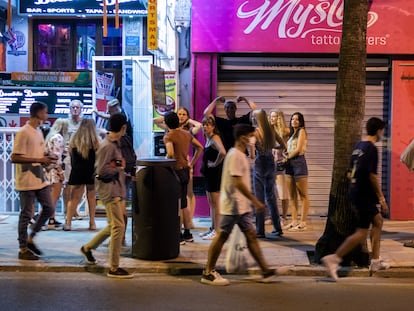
280	165
236	260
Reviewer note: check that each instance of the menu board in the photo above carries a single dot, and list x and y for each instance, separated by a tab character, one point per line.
18	99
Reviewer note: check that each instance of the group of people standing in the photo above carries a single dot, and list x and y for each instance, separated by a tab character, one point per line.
74	155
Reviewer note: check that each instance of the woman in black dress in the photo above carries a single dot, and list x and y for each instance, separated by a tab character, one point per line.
82	148
214	153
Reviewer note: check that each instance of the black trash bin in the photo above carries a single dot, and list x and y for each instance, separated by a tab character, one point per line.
156	221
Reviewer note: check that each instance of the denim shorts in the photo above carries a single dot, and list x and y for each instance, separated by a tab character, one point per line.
297	167
244	221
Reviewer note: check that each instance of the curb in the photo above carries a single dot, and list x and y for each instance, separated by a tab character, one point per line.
190	269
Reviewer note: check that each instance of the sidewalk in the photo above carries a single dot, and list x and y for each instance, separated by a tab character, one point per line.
290	252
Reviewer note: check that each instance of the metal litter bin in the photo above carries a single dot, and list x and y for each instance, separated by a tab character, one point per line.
156	221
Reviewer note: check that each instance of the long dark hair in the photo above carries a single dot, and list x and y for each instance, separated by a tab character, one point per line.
301	123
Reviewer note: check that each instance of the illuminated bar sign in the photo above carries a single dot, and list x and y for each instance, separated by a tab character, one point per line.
152	25
80	7
17	99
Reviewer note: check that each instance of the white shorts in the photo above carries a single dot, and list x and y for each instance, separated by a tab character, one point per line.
281	186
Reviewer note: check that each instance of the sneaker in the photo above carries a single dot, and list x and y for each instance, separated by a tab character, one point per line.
299	227
54	225
201	234
88	256
77	217
331	262
210	236
268	276
188	237
26	254
32	247
67	227
214	278
290	225
34	219
378	264
277	233
119	274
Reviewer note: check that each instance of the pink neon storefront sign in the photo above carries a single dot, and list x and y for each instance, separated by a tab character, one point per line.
289	26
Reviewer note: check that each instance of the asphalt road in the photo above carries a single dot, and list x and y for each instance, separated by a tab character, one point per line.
34	291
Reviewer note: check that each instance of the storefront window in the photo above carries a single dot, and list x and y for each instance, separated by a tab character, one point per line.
86	46
53	46
112	45
70	45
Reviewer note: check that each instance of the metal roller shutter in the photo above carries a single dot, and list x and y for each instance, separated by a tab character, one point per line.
312	94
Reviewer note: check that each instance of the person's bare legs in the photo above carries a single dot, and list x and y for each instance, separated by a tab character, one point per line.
76	196
191	199
213	200
255	250
91	197
376	235
302	187
215	249
285	208
351	242
293	197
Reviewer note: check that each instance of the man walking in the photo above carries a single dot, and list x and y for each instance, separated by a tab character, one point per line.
365	193
29	155
110	186
235	208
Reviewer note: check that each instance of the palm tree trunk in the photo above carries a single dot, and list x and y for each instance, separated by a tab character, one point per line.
349	114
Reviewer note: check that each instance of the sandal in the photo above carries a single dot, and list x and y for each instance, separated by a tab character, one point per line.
409	244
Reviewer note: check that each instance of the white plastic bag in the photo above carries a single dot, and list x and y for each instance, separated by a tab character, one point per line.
407	156
236	260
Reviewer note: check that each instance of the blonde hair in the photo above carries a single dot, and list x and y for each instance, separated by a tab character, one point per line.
267	139
85	138
60	126
280	127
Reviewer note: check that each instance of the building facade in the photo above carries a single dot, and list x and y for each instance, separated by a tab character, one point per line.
284	54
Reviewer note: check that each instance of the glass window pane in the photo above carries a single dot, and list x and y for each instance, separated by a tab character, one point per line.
53	47
85	46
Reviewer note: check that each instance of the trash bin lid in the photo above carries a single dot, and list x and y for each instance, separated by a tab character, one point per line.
156	162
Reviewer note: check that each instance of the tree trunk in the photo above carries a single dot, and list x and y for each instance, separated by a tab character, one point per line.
349	114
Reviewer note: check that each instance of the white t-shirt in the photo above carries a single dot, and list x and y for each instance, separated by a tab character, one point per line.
29	142
232	201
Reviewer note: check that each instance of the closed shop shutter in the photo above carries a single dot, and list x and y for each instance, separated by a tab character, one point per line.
312	94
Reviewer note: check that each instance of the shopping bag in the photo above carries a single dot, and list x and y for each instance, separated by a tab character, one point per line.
236	260
407	156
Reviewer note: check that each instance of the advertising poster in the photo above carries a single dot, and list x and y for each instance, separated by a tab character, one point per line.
170	97
402	180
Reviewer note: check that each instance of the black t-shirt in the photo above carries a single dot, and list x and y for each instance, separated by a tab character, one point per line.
364	161
225	127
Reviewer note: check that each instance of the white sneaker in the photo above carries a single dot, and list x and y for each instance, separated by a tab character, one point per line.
214	278
378	264
331	262
201	234
210	236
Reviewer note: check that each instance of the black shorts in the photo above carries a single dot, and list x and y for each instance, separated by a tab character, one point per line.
184	178
365	212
